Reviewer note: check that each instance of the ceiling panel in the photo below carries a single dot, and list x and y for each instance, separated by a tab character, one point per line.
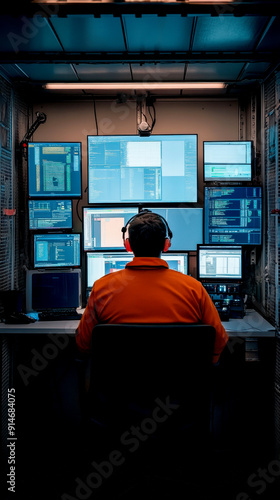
255	70
228	33
11	71
153	33
103	72
158	72
49	72
213	71
271	40
23	34
86	33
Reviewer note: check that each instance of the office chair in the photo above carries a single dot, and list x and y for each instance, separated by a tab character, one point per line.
149	392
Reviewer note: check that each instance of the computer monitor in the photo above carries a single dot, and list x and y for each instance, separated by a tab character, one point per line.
102	227
134	169
233	215
186	225
50	214
53	289
227	160
54	169
99	263
216	262
57	250
178	261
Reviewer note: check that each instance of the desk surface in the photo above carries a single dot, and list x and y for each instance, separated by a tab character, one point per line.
252	325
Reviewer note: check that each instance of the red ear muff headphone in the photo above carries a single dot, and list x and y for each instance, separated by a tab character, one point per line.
127	245
168	236
167	244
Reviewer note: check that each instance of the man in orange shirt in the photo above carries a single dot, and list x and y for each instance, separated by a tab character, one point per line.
147	291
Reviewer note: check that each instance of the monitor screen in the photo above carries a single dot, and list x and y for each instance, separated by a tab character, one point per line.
50	214
219	262
102	227
186	225
227	160
53	289
57	250
99	264
233	215
134	169
177	261
54	169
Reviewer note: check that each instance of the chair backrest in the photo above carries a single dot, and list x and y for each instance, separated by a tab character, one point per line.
137	364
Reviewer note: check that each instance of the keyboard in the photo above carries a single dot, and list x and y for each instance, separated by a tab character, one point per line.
63	314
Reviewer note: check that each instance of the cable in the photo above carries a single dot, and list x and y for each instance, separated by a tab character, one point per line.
77	211
152	117
41	118
95	117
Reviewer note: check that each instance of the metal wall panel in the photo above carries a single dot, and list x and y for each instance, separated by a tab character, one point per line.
277	397
13	125
271	167
272	220
6	190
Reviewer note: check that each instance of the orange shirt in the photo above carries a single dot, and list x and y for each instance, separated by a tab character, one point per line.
147	291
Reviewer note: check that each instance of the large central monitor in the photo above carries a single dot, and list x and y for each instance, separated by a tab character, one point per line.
102	227
99	263
134	169
227	160
219	262
54	169
233	215
57	250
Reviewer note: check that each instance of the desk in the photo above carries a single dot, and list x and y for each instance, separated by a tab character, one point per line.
251	325
41	327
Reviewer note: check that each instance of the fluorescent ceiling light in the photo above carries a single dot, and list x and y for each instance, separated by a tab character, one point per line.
202	2
135	1
208	1
135	86
182	1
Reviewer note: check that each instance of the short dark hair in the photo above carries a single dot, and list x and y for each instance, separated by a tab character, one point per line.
147	235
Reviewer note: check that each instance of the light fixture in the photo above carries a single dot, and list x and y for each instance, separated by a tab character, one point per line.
184	1
134	86
135	1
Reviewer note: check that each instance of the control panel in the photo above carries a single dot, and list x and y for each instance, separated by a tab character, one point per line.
227	298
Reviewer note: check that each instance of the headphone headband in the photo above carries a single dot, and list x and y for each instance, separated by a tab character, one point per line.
143	212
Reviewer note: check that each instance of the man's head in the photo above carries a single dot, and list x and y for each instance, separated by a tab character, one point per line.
149	235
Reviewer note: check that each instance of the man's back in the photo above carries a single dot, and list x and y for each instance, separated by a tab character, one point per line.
147	291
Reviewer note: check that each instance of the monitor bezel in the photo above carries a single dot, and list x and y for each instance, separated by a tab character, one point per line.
54	196
224	180
219	279
143	202
54	233
48	229
28	280
247	245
